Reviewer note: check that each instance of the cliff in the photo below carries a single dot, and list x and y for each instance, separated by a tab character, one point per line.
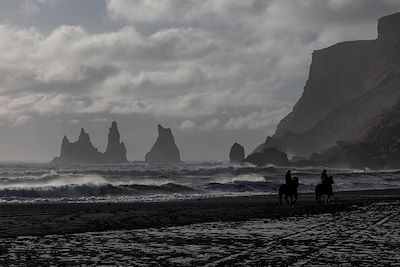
377	148
349	84
164	151
83	151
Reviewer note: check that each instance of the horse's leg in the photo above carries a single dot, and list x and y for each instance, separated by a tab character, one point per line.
295	198
317	196
287	200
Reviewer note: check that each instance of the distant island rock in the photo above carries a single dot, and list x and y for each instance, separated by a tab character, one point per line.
83	151
236	154
164	151
349	84
267	156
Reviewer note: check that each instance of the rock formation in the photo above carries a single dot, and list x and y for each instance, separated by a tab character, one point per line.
377	148
164	151
236	154
268	156
83	151
116	151
349	84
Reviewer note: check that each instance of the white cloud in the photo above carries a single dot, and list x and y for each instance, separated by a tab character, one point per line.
33	7
100	120
30	8
186	10
264	119
187	124
210	125
21	120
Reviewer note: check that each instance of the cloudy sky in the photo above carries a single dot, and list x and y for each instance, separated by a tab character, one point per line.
215	71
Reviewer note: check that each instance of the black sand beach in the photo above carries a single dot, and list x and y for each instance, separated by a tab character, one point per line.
64	218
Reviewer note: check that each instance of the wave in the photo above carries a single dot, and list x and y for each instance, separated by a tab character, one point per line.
243	186
45	173
91	190
176	172
135	180
134	171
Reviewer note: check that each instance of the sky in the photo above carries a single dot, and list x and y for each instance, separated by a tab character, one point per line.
215	71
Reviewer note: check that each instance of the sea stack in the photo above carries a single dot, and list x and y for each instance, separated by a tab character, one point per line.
164	151
116	151
236	155
83	151
267	156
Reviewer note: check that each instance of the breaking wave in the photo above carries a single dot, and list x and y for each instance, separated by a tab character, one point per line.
143	181
91	190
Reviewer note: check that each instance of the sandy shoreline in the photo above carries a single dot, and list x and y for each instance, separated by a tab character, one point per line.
63	218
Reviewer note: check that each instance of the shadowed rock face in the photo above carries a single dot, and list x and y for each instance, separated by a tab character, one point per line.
388	26
236	154
349	84
268	156
164	151
83	151
378	147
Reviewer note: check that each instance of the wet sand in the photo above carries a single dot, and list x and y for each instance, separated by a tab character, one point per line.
66	218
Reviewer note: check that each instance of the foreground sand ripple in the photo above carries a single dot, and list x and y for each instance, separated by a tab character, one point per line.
369	235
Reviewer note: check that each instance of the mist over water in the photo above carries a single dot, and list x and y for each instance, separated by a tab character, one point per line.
144	182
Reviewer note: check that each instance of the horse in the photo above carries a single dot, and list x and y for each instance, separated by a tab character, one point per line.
289	191
324	189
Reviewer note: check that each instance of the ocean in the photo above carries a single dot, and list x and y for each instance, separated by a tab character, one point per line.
41	183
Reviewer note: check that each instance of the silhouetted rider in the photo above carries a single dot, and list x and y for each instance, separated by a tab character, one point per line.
288	178
327	181
324	178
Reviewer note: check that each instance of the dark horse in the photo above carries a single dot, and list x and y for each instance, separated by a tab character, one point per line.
324	189
289	191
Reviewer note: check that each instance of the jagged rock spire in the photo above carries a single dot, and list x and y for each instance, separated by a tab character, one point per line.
83	151
164	151
116	151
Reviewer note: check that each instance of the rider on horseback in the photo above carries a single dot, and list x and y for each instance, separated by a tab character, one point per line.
288	178
326	181
289	189
324	177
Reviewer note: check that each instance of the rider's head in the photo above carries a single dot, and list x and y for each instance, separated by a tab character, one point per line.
288	172
324	171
